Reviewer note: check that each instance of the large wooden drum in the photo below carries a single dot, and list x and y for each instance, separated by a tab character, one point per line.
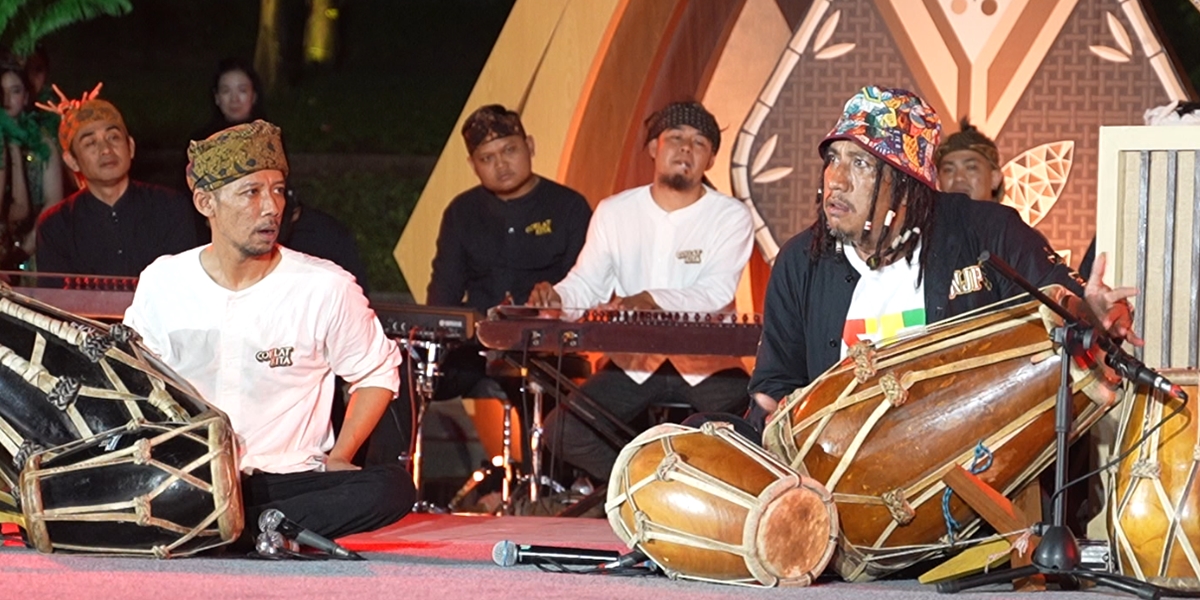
64	378
154	489
881	428
707	504
1155	504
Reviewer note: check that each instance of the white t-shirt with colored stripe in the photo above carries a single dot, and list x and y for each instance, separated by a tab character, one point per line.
887	301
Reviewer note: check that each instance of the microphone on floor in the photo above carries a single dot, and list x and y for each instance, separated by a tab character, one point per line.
272	519
506	554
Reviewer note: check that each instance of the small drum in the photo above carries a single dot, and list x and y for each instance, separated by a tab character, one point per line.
1155	504
881	428
706	504
64	378
162	490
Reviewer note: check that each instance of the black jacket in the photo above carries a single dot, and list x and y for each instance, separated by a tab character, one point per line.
807	301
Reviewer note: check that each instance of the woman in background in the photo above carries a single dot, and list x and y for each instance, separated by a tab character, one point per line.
237	97
31	170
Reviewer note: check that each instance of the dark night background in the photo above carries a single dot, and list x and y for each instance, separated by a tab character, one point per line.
372	123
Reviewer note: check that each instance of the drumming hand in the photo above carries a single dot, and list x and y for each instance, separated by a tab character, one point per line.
543	295
340	464
1111	307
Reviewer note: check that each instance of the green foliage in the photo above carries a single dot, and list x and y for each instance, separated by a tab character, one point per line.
23	23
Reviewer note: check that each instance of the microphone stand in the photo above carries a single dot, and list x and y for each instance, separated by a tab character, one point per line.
1057	554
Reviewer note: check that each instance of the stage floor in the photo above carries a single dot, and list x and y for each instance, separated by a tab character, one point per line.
446	557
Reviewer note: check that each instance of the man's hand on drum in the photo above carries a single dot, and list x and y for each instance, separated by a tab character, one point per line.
543	295
1110	307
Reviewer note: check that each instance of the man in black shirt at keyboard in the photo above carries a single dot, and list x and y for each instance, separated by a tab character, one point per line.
513	230
496	241
112	225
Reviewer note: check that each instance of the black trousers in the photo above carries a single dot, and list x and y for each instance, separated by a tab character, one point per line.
332	504
580	445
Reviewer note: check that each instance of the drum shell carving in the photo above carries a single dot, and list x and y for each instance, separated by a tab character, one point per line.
707	504
153	489
882	443
1155	503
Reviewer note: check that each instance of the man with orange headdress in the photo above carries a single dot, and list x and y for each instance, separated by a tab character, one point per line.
112	225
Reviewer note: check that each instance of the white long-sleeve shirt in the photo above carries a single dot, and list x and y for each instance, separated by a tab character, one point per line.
266	355
690	260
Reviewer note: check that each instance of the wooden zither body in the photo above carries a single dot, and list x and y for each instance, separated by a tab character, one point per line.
882	427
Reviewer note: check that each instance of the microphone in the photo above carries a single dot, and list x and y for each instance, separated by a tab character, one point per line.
507	554
272	519
1134	370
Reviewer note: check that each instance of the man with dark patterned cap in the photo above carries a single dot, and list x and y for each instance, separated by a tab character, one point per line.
675	245
512	230
499	238
261	331
889	253
968	162
112	225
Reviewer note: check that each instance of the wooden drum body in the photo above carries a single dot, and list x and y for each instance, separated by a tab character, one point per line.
881	428
158	490
64	379
706	504
1155	507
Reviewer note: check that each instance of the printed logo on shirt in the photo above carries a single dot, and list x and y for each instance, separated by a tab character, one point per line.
539	228
968	281
689	257
887	326
276	357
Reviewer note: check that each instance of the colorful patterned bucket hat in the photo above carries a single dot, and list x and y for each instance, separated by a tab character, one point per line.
895	125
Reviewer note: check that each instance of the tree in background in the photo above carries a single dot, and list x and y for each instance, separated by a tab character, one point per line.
267	57
320	35
24	22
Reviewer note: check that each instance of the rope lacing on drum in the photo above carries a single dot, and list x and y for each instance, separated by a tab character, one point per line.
863	354
27	449
94	343
141	508
64	392
143	452
123	333
1146	469
161	552
981	463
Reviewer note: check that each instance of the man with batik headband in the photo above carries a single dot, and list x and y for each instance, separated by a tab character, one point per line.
261	331
888	253
675	245
112	225
968	162
513	230
499	238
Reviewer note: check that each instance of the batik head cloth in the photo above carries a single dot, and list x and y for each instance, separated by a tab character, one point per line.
678	114
969	138
233	153
895	125
488	123
76	114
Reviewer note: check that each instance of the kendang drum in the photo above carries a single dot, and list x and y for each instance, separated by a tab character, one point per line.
881	429
64	378
1154	513
162	490
709	505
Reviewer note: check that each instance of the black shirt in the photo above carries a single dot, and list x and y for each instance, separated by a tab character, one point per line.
488	246
318	234
82	234
807	300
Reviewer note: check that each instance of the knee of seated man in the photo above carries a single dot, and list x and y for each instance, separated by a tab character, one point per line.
392	490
